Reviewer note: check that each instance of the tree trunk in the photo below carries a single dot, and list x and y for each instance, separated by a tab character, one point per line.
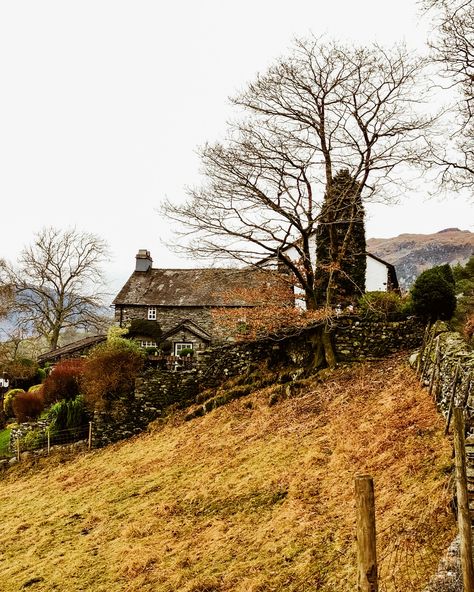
328	348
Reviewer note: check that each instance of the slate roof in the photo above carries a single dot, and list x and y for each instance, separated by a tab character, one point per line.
71	348
191	327
208	287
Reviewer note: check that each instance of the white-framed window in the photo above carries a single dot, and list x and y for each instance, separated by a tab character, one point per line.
180	346
152	313
148	343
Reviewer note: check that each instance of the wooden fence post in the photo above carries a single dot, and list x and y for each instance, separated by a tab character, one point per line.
464	518
452	403
49	440
89	440
18	455
367	577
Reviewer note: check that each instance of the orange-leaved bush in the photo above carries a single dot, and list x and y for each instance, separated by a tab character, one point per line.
110	372
267	311
63	381
27	406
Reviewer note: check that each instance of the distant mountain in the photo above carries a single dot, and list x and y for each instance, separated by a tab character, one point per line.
413	253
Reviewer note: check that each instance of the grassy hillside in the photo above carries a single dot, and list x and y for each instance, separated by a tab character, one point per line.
249	498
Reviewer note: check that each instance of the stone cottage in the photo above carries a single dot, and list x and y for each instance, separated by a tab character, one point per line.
182	300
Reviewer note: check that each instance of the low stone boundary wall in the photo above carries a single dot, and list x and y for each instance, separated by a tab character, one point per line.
354	339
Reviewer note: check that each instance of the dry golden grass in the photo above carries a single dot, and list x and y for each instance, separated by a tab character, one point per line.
245	499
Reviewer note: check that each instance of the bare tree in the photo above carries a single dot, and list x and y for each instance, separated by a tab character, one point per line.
323	109
452	48
58	281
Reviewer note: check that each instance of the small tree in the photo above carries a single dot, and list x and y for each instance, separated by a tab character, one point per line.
110	372
57	283
433	295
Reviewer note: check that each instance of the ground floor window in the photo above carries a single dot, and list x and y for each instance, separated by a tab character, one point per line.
148	343
178	347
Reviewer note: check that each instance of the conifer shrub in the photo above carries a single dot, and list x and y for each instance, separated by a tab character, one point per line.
27	406
433	294
64	381
383	305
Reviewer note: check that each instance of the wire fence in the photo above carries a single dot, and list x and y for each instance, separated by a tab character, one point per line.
46	439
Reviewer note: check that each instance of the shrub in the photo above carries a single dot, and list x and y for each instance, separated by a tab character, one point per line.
41	374
68	414
145	328
433	295
166	347
8	400
382	305
187	351
36	388
63	381
27	406
110	371
33	439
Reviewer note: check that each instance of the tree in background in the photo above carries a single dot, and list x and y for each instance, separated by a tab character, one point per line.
453	51
433	294
340	242
464	317
323	109
58	282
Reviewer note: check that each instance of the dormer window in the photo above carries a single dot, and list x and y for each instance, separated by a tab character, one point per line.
152	313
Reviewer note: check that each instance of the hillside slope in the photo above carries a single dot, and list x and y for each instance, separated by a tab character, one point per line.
249	498
413	253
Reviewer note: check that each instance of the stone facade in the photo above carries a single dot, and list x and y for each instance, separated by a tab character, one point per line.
167	316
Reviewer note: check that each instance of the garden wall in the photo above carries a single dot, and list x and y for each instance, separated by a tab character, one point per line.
446	365
354	339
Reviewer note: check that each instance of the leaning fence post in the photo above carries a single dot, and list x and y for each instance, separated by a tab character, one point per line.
452	403
464	518
18	448
89	440
367	577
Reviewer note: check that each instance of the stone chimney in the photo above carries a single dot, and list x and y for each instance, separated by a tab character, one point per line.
143	260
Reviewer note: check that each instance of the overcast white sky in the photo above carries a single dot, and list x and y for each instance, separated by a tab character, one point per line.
103	103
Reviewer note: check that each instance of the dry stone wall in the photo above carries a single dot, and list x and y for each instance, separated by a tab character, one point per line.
354	339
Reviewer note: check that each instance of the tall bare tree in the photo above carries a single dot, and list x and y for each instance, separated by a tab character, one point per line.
323	109
58	282
452	46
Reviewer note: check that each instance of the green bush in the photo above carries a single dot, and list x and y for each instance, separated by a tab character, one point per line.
8	400
187	351
382	305
433	294
35	388
34	439
68	414
166	347
144	328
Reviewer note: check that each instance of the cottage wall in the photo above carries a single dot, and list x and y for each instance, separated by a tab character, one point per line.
167	316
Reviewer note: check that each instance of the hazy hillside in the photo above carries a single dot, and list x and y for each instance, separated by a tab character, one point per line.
413	253
252	497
